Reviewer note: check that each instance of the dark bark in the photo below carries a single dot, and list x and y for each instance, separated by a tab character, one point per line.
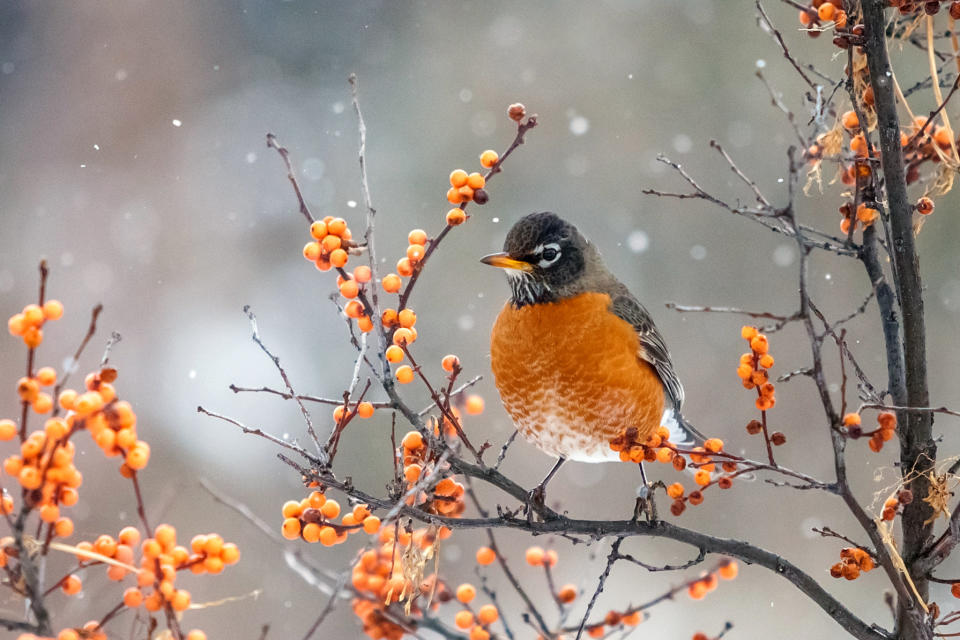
917	448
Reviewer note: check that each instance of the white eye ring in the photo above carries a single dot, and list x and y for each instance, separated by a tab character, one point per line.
553	248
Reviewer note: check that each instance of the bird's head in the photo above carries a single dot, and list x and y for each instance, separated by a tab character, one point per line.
546	259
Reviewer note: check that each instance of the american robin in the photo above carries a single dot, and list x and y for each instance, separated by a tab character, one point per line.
576	358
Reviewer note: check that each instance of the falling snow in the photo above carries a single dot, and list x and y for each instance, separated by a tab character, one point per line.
579	125
638	241
176	122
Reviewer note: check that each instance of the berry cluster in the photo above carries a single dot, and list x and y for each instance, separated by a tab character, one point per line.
853	560
28	324
312	519
45	468
332	240
886	429
709	582
753	366
892	506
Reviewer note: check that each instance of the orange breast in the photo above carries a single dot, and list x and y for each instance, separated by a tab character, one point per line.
570	376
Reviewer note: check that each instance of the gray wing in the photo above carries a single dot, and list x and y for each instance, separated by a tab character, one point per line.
652	347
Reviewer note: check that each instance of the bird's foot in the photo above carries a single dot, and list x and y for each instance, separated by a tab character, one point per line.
646	504
536	501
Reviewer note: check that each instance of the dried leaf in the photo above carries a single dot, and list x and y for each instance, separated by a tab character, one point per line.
938	497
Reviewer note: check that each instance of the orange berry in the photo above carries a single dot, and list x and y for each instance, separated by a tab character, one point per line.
338	257
30	478
49	513
391	283
417	236
466	593
196	634
166	535
412	472
955	589
485	556
371	524
404	374
849	118
456	217
330	509
488	614
312	251
729	571
567	593
866	214
887	420
466	193
805	18
318	230
675	490
337	227
534	556
415	253
132	597
402	336
230	553
33	315
311	532
766	361
407	318
291	528
331	243
328	536
353	309
412	441
851	420
138	456
474	405
476	181
479	633
924	207
17	324
747	332
458	178
365	324
702	477
759	343
448	363
394	354
52	309
713	445
349	289
8	430
364	409
405	267
389	318
463	619
63	527
129	536
43	403
489	158
550	558
46	376
362	274
72	585
453	196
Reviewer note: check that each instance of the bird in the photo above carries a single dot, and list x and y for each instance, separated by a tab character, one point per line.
576	358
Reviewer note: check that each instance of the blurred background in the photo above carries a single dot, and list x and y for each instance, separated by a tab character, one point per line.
132	157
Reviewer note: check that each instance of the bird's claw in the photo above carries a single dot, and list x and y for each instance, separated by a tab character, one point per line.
536	500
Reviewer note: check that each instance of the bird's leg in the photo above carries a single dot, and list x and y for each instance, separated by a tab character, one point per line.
645	502
538	497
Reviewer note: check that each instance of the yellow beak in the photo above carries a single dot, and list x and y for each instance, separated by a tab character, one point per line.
504	261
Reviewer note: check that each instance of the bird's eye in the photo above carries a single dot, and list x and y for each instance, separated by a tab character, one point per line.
549	255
